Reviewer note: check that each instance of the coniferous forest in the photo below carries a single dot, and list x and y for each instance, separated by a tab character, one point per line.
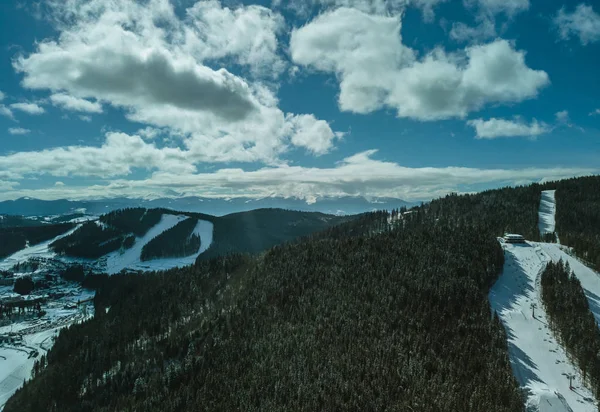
381	312
177	241
91	241
571	319
363	316
578	216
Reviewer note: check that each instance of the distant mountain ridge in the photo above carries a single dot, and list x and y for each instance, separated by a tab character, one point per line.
217	207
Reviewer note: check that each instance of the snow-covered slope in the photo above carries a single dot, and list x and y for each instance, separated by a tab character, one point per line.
546	221
40	250
538	361
130	258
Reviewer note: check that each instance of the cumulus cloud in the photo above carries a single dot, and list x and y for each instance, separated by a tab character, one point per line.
157	66
375	70
583	23
495	128
595	112
357	175
5	111
75	104
30	108
18	130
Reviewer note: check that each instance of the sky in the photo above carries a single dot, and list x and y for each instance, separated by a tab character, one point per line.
410	99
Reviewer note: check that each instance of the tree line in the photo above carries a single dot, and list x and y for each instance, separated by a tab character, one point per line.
571	319
177	241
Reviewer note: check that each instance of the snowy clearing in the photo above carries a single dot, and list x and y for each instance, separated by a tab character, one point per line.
130	258
539	363
546	220
40	250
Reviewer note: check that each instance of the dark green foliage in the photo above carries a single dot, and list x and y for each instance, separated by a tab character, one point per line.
258	230
90	241
13	239
578	216
379	320
177	241
133	220
24	285
74	273
570	317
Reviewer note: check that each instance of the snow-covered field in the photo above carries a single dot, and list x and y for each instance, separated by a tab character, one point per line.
40	250
130	258
546	221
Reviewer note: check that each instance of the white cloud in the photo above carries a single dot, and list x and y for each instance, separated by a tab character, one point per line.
85	118
118	156
313	134
583	23
595	112
248	33
382	7
562	117
495	128
508	7
30	108
18	130
158	68
356	175
486	29
75	104
59	184
1	96
375	70
5	111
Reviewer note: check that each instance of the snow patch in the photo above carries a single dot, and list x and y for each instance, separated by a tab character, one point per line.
547	212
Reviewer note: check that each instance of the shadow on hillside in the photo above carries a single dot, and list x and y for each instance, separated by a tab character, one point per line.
514	284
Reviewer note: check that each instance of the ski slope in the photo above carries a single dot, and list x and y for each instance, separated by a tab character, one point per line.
130	258
41	250
546	214
539	363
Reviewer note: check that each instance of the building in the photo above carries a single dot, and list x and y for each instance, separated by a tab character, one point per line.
513	238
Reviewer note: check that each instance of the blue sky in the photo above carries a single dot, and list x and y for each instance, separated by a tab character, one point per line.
409	99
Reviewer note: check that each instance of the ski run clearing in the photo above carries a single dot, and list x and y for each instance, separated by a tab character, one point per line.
539	363
130	258
546	221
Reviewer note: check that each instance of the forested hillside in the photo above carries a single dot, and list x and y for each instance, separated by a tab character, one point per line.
367	316
578	216
137	221
175	242
571	319
92	241
13	239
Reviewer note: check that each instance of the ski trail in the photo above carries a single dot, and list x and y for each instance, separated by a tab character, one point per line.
538	361
547	212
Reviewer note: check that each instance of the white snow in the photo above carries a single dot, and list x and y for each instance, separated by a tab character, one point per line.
34	337
546	221
41	250
130	259
119	260
539	363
